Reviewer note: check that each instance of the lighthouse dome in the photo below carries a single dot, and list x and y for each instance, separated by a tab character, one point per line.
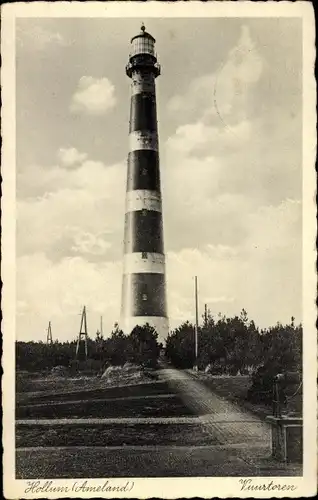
143	43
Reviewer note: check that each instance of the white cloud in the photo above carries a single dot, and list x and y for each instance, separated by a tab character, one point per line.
64	288
244	59
276	228
218	300
222	251
39	38
72	211
197	136
211	156
223	96
70	156
198	208
227	180
93	96
219	170
88	243
262	274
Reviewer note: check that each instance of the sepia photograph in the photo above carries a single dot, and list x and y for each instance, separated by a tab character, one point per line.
159	313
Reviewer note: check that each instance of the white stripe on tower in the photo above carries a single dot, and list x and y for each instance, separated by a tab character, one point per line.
152	262
143	199
143	139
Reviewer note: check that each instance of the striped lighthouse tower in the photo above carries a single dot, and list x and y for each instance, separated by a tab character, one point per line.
144	288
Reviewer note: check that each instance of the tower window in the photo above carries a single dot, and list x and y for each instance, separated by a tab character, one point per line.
144	255
144	294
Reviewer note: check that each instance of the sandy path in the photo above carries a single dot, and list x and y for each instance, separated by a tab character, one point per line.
222	418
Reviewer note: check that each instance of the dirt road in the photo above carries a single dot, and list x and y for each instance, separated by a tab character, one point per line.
217	438
222	418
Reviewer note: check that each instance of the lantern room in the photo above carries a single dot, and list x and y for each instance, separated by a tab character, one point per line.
143	43
142	54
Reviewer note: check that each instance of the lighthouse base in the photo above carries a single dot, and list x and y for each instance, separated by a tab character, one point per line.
159	323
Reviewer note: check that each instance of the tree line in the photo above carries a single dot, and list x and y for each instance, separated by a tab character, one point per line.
139	347
236	345
226	345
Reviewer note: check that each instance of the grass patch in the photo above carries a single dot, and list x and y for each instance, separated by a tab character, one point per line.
230	387
110	463
99	392
152	407
114	435
35	384
234	388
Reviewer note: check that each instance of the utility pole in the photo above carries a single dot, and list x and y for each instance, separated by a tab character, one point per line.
82	333
49	339
99	339
196	322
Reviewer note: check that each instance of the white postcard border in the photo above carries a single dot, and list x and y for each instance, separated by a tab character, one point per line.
161	487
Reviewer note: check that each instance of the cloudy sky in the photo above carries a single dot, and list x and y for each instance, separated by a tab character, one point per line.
229	110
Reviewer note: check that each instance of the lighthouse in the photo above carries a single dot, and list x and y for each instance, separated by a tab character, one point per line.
144	284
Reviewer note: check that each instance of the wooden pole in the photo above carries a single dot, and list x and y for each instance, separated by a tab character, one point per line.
49	339
85	323
196	321
82	333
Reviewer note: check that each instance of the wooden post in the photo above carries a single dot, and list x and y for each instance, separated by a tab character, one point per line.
82	334
49	339
196	321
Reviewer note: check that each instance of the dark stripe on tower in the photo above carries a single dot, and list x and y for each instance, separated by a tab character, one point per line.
145	293
143	170
143	232
143	114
